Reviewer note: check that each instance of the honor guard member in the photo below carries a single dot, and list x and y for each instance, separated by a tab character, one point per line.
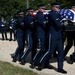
55	38
12	28
70	35
41	29
3	28
20	33
30	23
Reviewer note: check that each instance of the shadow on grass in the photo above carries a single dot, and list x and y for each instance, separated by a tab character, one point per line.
8	69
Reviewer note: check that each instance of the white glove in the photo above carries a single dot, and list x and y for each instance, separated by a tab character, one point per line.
2	25
65	23
10	27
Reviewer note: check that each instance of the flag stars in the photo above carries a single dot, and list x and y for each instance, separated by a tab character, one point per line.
70	17
66	16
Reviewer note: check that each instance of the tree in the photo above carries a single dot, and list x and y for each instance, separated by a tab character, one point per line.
10	7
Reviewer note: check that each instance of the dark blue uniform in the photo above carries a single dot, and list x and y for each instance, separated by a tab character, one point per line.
41	30
31	31
3	29
55	39
20	38
70	35
12	24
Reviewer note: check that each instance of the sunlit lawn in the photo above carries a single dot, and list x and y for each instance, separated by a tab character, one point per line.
8	69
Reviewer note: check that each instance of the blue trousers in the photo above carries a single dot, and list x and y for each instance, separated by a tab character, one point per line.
30	44
70	39
4	34
20	48
12	31
54	45
40	53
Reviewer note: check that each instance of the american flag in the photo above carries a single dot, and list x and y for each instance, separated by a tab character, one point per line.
67	14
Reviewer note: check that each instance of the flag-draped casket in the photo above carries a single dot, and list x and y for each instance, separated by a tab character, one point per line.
68	17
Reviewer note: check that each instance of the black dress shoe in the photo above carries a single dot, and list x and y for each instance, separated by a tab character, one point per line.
2	39
19	59
22	62
14	39
10	40
12	55
14	60
6	39
32	65
70	62
62	71
40	67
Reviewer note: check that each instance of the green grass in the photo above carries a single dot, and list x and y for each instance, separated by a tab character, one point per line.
8	69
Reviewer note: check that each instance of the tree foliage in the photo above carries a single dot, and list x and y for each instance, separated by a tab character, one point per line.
10	7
